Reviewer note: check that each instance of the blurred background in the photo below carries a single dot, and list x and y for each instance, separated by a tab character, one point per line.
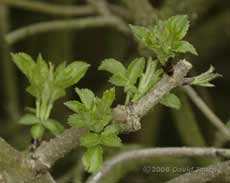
162	127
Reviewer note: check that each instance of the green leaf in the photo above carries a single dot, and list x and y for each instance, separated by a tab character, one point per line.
150	77
53	126
75	106
83	119
87	97
71	74
101	121
142	34
33	90
24	62
148	80
131	89
111	140
90	140
42	67
178	26
205	78
113	66
118	80
29	119
56	93
108	97
77	120
40	73
93	159
59	69
184	46
30	109
171	100
112	129
164	38
39	76
135	69
37	131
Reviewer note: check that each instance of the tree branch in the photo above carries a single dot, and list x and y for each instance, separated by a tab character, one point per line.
49	152
71	24
195	8
213	118
129	116
51	9
143	13
59	10
190	127
203	174
18	167
10	89
146	154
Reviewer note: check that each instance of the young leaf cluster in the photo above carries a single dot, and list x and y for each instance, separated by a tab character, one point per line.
47	84
165	38
126	78
137	79
94	114
205	78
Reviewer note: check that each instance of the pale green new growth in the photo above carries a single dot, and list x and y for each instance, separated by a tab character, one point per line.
205	78
94	114
46	85
123	77
171	100
93	158
148	78
138	79
165	37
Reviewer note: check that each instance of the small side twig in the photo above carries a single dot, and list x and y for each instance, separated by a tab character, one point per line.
10	89
214	119
64	11
57	25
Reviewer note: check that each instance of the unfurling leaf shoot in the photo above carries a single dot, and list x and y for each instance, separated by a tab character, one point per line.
165	38
47	84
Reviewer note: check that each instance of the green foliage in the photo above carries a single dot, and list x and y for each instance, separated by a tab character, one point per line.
94	114
148	79
90	140
205	78
52	125
93	158
47	84
126	78
29	119
55	127
111	140
165	37
137	79
87	97
171	100
37	131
